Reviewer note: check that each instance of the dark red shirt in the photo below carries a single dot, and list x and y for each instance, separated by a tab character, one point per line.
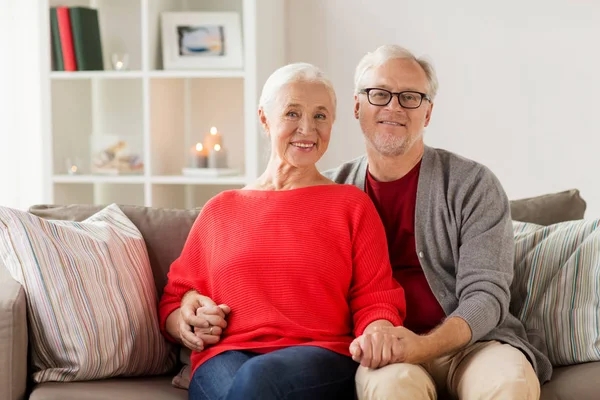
396	203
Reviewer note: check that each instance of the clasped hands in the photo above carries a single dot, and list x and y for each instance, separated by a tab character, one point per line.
201	321
379	346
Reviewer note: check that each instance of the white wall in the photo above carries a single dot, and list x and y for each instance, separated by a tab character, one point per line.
22	158
519	80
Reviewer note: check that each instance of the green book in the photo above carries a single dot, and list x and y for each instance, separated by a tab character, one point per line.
86	38
57	56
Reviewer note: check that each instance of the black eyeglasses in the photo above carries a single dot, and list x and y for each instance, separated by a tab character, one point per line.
407	99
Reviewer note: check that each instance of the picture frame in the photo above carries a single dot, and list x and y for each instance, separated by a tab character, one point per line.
201	40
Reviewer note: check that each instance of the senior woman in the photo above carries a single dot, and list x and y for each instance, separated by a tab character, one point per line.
299	266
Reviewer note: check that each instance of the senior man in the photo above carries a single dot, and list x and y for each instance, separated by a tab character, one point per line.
451	247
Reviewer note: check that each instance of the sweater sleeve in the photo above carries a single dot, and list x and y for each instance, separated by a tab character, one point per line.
186	273
486	256
374	293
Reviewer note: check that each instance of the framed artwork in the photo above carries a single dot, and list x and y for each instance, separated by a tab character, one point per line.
201	40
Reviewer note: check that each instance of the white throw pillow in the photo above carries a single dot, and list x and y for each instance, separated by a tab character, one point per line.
92	302
556	288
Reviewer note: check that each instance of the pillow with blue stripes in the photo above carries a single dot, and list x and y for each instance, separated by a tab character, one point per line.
556	287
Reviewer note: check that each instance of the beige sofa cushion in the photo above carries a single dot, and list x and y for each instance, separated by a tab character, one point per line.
91	296
549	208
13	337
576	382
164	230
110	389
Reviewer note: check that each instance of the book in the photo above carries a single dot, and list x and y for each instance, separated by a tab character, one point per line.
57	56
86	38
66	38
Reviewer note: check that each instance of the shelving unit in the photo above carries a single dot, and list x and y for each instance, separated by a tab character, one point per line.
169	110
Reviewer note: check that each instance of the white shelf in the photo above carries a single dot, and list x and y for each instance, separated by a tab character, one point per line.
97	75
160	180
98	179
169	110
195	180
198	74
151	74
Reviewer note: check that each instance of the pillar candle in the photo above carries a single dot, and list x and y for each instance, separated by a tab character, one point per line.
211	139
199	158
217	157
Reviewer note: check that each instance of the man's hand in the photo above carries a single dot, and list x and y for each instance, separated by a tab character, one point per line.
452	335
383	345
374	349
412	348
201	322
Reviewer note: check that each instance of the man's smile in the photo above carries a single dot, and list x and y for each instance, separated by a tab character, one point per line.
394	123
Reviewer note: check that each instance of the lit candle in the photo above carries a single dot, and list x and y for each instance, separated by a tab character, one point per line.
217	157
213	138
73	166
198	158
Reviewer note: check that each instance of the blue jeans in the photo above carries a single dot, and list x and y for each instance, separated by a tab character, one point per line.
297	372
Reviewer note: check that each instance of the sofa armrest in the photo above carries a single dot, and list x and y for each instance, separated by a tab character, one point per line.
13	338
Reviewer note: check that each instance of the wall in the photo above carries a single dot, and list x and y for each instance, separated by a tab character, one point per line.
22	158
518	80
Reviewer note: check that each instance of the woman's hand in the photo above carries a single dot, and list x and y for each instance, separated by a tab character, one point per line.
375	349
383	345
215	316
201	322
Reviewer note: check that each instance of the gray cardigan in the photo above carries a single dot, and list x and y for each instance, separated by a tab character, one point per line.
464	240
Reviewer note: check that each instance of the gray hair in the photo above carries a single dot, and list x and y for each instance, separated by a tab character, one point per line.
389	52
291	73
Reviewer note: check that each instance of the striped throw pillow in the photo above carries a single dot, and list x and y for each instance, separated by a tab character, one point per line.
92	303
556	287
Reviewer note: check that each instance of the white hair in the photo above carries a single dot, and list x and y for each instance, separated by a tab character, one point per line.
291	73
389	52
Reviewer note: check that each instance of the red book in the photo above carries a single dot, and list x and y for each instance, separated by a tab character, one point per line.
66	38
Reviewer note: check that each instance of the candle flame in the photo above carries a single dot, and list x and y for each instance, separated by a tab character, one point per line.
198	146
74	168
217	147
213	130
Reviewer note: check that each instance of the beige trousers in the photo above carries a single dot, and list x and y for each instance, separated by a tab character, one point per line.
483	370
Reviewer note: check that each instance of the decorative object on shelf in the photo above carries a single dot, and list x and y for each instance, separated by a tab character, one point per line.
211	138
115	155
199	157
210	172
201	40
119	61
213	143
217	157
73	165
209	159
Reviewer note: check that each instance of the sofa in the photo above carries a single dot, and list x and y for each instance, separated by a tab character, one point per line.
164	232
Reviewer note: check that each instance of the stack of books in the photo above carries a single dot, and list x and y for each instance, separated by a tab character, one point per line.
76	44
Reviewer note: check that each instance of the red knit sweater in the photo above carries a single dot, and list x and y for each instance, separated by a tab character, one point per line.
308	266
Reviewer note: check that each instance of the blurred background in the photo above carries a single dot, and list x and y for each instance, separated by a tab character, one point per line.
518	92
